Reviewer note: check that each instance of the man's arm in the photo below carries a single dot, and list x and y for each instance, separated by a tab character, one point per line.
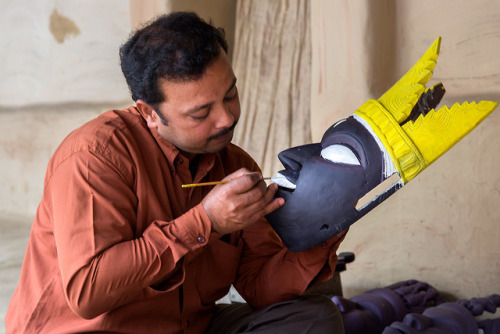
103	263
269	273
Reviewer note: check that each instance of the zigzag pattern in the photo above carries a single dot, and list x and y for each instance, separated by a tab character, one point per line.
404	94
416	144
438	131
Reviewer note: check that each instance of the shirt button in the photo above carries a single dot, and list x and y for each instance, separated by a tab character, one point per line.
188	323
324	244
201	239
178	161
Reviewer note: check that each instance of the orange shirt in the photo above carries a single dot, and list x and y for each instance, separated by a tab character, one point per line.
117	245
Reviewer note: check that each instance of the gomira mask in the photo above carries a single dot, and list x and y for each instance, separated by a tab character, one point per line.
365	158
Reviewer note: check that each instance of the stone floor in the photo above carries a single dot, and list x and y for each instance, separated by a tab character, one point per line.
14	233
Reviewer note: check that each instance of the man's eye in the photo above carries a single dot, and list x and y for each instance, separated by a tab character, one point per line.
340	154
199	118
231	94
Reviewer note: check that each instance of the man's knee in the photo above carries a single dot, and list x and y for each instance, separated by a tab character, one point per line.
320	313
309	314
319	306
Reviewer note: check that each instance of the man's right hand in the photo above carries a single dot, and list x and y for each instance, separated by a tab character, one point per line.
242	201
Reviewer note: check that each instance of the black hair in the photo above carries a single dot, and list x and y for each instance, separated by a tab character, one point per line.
177	47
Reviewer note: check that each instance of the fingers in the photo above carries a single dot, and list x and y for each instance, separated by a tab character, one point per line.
241	202
249	182
267	203
238	173
243	180
273	203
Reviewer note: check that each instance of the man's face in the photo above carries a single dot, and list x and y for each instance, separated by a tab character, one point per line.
324	183
200	115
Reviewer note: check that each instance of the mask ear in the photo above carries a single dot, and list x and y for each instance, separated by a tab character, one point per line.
148	112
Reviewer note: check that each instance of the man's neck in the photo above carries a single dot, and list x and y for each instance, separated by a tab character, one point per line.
194	159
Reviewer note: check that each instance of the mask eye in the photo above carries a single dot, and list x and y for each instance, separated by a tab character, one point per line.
340	154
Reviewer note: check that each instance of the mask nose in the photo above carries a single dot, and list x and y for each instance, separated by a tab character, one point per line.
293	158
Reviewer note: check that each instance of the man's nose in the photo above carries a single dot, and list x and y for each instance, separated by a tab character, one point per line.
225	117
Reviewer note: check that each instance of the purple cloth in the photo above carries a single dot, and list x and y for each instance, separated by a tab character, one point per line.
457	318
372	311
412	307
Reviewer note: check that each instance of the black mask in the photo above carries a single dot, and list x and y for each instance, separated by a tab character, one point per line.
330	177
365	158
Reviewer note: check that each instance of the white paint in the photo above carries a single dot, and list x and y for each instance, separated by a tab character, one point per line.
389	167
340	154
386	185
282	181
339	122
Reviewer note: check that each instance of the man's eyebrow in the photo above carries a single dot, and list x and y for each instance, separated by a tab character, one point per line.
206	105
195	109
232	86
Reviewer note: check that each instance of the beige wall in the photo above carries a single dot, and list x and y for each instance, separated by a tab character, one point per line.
61	51
272	61
220	12
444	226
60	68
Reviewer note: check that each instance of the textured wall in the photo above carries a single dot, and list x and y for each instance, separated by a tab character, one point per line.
272	63
60	68
444	226
61	51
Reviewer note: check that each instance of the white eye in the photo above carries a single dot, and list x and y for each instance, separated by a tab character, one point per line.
340	154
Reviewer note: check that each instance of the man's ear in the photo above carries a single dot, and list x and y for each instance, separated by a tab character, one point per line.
148	112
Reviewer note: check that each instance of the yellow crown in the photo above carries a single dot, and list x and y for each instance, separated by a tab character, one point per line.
415	141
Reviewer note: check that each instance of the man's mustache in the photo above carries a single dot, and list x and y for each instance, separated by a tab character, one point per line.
222	132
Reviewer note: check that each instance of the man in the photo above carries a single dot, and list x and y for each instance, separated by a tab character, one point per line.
118	245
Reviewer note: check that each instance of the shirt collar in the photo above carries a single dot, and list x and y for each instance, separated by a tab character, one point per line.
175	158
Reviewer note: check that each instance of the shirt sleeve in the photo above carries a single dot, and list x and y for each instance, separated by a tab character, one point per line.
103	263
270	273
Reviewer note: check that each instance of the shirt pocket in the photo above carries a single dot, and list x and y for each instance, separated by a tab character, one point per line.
216	270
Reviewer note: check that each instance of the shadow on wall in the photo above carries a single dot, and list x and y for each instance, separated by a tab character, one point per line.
381	41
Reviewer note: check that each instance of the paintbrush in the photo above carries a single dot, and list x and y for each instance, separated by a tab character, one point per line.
211	183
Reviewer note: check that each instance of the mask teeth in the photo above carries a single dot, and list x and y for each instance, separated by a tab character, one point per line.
282	181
